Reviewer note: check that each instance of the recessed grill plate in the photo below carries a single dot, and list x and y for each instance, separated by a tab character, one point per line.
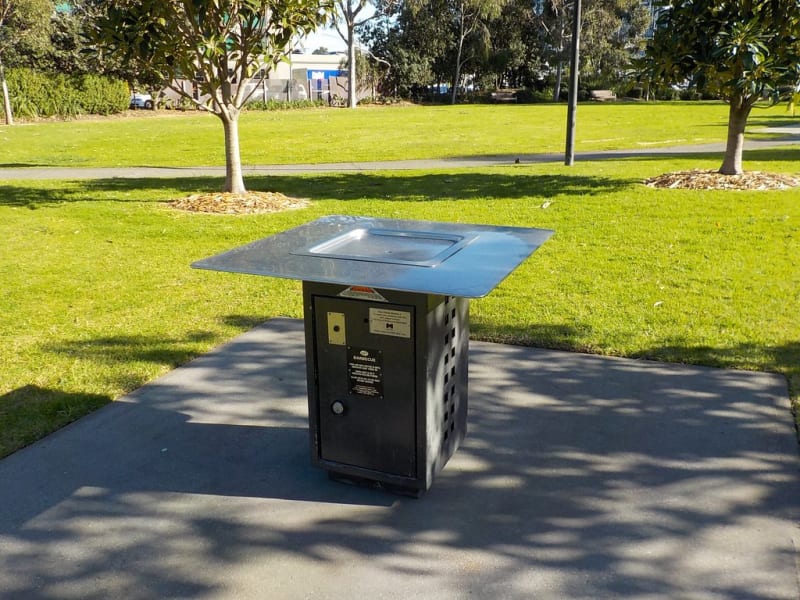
413	248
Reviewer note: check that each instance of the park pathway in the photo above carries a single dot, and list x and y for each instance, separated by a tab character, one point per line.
787	136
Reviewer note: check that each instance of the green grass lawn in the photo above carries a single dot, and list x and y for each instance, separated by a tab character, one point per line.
371	133
98	298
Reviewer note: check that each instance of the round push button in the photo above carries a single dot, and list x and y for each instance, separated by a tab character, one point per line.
337	407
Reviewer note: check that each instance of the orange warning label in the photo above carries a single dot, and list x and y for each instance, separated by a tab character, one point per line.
362	292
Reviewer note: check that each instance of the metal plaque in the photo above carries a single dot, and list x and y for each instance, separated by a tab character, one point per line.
365	372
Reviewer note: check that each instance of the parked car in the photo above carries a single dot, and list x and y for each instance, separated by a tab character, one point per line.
142	101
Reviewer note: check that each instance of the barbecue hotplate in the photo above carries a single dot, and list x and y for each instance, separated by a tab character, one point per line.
415	248
418	256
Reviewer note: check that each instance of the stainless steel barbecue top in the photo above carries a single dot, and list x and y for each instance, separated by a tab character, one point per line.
417	256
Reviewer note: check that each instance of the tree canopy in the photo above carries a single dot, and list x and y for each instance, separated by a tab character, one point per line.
24	32
506	43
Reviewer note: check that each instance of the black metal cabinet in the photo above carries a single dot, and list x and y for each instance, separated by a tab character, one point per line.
366	400
387	379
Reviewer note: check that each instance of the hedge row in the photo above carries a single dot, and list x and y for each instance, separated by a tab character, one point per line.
35	94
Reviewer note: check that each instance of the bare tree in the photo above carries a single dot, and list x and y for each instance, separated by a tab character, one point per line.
345	20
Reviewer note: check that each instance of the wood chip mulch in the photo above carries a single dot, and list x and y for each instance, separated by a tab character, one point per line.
249	203
712	180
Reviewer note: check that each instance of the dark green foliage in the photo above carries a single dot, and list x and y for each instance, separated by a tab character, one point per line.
533	96
103	96
35	94
738	50
508	43
283	104
24	31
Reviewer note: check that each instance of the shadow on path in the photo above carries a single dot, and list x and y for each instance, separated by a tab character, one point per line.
581	477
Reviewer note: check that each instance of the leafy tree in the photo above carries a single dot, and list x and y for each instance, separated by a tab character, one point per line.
742	50
372	73
469	31
428	42
555	18
24	30
66	54
514	54
69	50
612	34
221	43
414	43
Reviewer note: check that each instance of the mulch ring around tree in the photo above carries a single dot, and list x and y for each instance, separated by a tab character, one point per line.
249	203
713	180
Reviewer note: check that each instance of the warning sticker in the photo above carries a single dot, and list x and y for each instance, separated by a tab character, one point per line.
362	292
396	323
365	372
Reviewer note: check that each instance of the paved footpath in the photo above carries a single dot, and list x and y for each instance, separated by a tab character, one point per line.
581	477
788	136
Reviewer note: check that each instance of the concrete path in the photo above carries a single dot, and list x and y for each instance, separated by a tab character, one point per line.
581	477
788	136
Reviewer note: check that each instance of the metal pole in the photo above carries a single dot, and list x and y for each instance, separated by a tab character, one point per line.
569	155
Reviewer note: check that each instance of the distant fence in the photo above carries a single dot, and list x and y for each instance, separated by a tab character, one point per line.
332	90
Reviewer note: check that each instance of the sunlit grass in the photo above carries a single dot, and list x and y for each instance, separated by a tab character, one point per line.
98	297
370	133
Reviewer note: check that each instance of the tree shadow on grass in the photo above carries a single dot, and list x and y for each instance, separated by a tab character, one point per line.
787	153
139	348
778	358
336	186
30	412
516	184
41	194
757	119
136	348
780	154
541	335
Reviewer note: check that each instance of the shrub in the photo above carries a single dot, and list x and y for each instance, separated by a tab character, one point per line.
103	96
272	104
35	94
534	96
690	94
63	99
28	92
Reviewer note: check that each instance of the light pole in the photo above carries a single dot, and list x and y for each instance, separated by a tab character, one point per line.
569	155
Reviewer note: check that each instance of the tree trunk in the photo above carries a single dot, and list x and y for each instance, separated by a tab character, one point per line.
737	121
234	182
351	71
557	88
6	100
459	51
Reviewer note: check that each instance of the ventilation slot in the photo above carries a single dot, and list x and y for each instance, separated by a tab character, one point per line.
449	397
